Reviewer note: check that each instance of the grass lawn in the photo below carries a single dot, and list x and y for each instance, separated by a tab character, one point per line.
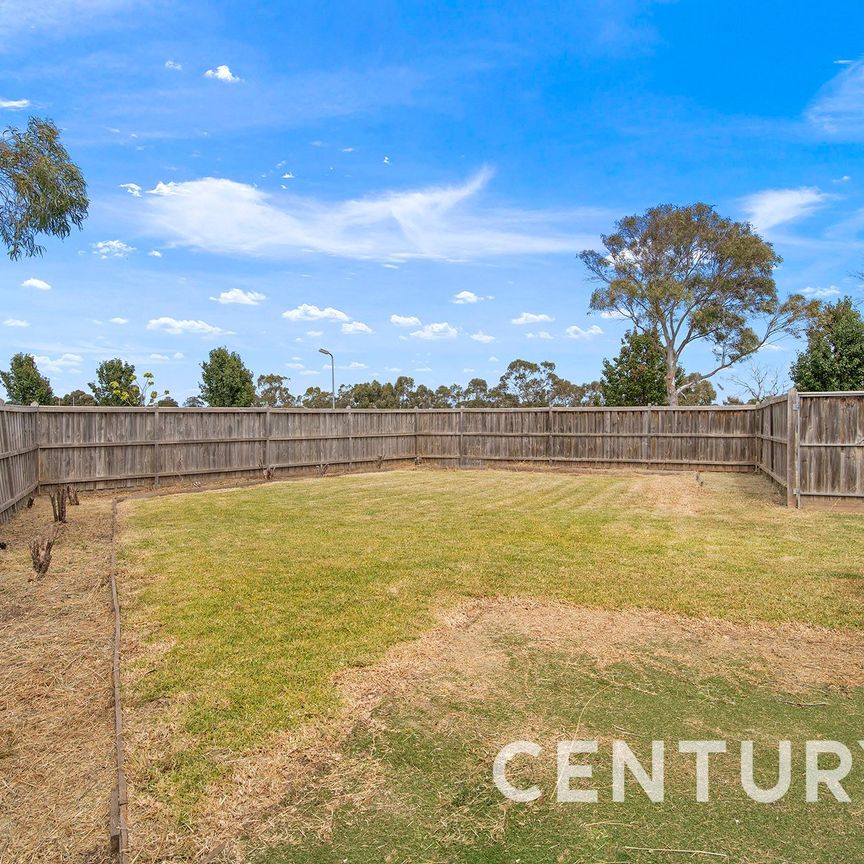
245	607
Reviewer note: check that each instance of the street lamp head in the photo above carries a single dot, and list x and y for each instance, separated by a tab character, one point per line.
324	351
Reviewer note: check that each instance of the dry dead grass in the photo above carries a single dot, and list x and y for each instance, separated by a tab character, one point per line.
56	722
266	800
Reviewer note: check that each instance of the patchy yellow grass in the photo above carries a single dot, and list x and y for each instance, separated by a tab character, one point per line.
244	606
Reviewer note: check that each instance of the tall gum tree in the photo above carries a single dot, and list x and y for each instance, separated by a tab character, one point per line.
693	276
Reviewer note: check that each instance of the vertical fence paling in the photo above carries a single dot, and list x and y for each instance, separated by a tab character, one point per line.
19	468
815	452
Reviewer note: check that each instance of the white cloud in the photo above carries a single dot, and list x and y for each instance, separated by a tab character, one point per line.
119	320
470	297
392	369
838	108
575	332
772	207
39	284
821	293
314	334
347	149
441	223
132	188
14	104
162	358
844	179
356	327
613	315
308	372
310	312
355	365
15	322
423	369
240	297
386	160
63	363
222	73
540	334
438	330
173	66
405	320
532	318
185	326
155	253
287	176
482	337
493	359
177	355
294	366
112	249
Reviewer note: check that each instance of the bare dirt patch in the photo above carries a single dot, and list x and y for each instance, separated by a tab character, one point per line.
56	720
267	797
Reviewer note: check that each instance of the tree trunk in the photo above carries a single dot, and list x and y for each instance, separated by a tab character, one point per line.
671	375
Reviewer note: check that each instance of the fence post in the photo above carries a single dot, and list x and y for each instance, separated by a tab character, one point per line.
350	441
268	453
156	436
646	436
549	437
793	493
416	430
461	432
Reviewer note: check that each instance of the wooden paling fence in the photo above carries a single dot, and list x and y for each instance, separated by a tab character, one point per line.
817	440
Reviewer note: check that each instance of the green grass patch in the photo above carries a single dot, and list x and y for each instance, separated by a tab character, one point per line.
264	594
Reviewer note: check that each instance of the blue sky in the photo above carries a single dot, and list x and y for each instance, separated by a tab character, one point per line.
409	184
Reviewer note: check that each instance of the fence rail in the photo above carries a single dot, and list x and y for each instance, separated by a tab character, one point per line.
810	444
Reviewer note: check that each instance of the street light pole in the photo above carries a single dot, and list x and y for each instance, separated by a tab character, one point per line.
332	376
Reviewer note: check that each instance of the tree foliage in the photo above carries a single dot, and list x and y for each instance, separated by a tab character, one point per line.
834	357
637	376
76	397
41	190
273	392
25	384
693	276
113	378
225	380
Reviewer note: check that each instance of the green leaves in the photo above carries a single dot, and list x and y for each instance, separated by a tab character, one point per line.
42	191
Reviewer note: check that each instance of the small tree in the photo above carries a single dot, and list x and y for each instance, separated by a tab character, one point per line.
759	383
113	378
225	380
140	392
637	376
25	384
834	357
693	277
273	392
41	189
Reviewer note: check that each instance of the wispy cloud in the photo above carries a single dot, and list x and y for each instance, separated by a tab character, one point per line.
470	297
311	312
173	65
540	334
838	108
821	293
14	104
132	188
432	332
483	338
443	222
112	249
772	207
240	297
532	318
179	327
351	327
119	320
63	363
15	322
38	284
405	320
222	73
575	332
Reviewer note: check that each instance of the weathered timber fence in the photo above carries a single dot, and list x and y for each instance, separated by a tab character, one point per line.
810	444
19	457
